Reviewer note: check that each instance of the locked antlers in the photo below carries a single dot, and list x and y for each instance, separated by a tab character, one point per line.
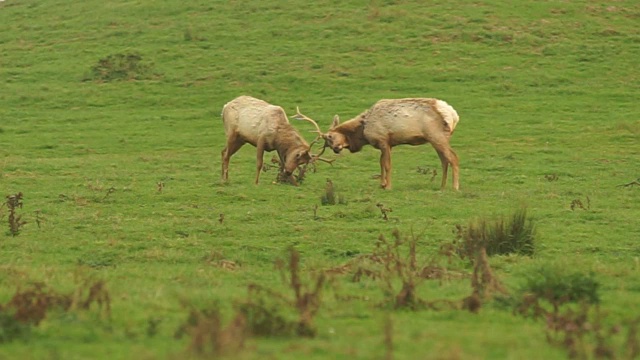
300	116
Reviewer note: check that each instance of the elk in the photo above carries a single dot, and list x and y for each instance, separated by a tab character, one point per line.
392	122
265	126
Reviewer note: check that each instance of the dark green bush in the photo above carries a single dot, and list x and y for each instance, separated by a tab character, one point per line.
557	287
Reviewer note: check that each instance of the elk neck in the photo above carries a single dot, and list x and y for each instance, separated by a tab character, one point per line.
289	140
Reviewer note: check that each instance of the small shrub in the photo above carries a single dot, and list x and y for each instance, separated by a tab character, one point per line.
208	335
583	334
483	282
425	171
578	204
552	286
264	318
551	177
264	308
13	203
517	235
553	294
90	292
153	323
399	274
384	211
330	197
127	66
302	171
31	304
405	269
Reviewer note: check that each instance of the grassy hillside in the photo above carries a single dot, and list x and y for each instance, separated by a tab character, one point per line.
110	128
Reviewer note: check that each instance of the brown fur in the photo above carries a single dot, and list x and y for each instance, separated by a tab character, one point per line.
265	126
388	123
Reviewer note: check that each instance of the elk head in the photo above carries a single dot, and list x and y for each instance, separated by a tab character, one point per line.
332	139
293	159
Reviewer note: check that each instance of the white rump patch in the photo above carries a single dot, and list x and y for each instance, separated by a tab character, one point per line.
448	113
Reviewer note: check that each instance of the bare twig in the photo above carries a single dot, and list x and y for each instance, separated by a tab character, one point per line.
633	183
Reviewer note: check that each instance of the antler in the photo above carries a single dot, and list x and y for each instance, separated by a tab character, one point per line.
317	157
299	116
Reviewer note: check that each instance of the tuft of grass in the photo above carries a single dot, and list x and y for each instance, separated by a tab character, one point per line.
516	235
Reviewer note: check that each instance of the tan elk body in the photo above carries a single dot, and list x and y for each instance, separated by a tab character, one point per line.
392	122
265	126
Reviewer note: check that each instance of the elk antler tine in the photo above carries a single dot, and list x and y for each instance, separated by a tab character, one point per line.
315	141
299	116
322	151
330	162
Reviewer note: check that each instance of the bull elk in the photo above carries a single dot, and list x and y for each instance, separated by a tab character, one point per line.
391	122
265	126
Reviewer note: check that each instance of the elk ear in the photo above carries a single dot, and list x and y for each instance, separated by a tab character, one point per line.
336	121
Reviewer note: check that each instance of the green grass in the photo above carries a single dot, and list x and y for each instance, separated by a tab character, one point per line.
542	88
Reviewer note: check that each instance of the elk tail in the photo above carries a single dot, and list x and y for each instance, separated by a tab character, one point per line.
448	113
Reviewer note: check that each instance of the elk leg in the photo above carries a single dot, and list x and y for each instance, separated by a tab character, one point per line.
456	170
448	156
385	167
293	180
259	159
233	145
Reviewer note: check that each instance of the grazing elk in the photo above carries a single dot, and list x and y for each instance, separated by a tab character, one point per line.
265	126
388	123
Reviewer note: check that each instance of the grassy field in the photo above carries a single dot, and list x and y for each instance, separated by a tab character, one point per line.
120	172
